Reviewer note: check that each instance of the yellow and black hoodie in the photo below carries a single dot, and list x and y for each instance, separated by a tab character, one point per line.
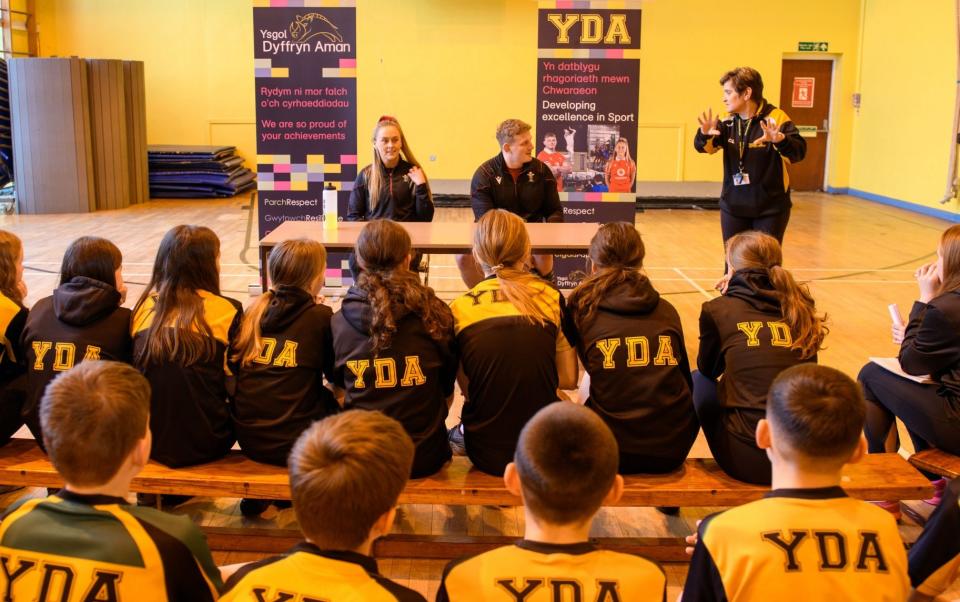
95	547
13	318
639	371
768	192
541	572
744	339
935	557
799	544
410	381
189	409
511	365
281	392
82	320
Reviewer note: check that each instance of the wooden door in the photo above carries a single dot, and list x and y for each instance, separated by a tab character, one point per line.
805	97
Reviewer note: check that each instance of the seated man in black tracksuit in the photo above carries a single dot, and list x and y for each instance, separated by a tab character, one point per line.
513	180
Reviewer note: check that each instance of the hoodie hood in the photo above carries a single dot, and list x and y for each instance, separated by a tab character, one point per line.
628	298
84	300
286	306
358	312
754	287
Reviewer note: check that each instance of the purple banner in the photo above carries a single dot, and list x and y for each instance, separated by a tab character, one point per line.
306	91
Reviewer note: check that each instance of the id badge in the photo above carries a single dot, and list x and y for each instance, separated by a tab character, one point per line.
741	179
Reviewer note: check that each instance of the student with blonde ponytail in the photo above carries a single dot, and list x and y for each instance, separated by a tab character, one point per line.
630	342
182	331
929	345
514	354
394	344
13	317
763	323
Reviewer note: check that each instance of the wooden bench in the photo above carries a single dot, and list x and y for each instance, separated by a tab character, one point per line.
699	483
938	462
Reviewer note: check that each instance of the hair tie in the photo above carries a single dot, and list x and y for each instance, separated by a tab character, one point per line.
496	268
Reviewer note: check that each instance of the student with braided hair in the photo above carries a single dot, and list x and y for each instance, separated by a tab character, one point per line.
763	323
394	345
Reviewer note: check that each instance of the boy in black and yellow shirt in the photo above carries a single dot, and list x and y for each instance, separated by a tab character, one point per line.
86	542
806	540
346	475
565	467
935	557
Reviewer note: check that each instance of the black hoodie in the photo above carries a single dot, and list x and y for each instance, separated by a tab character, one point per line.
410	381
281	393
743	337
400	199
81	320
13	317
640	384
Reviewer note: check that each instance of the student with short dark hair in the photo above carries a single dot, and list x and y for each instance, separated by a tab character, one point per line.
13	317
763	322
564	469
806	540
82	320
346	474
283	351
630	342
935	557
86	540
514	354
394	344
182	331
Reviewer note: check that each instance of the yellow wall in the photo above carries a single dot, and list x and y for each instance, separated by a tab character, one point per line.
452	69
902	135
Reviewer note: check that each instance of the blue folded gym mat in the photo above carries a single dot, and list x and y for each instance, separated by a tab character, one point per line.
181	171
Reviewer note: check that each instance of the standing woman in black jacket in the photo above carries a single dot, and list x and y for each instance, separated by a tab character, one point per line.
758	141
82	320
394	345
763	323
929	344
630	341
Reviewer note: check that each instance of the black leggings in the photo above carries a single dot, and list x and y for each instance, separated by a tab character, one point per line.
931	420
729	434
774	225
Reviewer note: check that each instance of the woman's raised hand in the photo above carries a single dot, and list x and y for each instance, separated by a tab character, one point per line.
928	280
708	123
416	174
771	131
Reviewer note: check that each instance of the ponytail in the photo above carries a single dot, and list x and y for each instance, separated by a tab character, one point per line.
249	345
799	312
585	299
522	289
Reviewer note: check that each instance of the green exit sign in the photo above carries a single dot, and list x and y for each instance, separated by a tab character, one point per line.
812	46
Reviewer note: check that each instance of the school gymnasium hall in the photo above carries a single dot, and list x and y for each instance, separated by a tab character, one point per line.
122	119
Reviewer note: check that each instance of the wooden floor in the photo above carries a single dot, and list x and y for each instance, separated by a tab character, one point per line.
857	257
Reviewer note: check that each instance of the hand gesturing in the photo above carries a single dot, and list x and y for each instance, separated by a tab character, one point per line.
771	131
708	123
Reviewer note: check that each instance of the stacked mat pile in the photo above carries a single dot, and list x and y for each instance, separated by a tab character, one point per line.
6	138
197	172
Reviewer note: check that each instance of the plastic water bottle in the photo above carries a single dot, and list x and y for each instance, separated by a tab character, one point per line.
330	208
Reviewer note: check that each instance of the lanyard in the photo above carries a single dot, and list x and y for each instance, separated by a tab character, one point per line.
741	138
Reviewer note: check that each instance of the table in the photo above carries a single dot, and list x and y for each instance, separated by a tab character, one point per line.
429	237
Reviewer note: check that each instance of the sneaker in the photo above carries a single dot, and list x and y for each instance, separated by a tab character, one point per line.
891	506
252	508
938	487
455	439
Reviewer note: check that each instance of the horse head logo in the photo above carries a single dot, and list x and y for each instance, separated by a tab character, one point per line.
306	27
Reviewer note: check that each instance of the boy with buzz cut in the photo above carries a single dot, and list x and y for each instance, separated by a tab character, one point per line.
346	474
86	542
806	540
564	469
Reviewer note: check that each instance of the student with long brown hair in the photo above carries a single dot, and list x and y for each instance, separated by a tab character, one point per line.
763	323
82	320
283	351
929	345
513	352
182	330
394	344
630	342
13	317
